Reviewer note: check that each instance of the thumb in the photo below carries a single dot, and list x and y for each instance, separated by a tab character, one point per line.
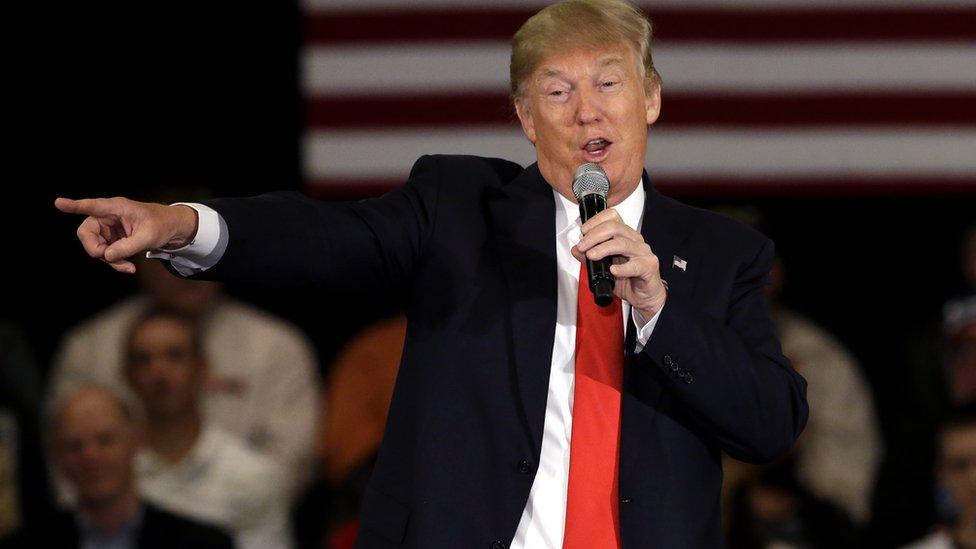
126	247
580	256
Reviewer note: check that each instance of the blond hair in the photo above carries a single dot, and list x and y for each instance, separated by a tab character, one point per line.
578	23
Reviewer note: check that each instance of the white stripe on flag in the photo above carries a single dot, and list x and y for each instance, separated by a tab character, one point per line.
483	66
384	154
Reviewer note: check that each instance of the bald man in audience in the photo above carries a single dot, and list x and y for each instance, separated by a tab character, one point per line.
262	385
93	441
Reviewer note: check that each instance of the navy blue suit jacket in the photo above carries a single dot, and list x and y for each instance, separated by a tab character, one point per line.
468	244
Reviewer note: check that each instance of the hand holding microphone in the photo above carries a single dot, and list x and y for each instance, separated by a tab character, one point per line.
617	258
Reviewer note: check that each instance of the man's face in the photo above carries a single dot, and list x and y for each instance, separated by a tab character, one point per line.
94	446
590	106
958	467
164	369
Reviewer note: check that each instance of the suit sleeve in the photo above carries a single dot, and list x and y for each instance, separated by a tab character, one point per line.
731	373
288	240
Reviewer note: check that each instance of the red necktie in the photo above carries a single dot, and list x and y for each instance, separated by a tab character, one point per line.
592	520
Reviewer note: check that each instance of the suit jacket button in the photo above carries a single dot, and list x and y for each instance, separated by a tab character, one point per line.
498	545
688	378
668	361
626	500
524	468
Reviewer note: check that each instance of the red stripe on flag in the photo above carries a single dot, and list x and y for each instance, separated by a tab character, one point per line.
753	26
733	187
868	109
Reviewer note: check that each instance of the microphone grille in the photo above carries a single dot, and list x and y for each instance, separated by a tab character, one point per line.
590	178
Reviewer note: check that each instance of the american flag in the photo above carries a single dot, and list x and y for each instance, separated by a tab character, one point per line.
760	97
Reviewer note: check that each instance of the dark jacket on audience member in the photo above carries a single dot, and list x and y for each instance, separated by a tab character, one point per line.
159	530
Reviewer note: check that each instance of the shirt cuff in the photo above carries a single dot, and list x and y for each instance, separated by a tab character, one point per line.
206	248
644	330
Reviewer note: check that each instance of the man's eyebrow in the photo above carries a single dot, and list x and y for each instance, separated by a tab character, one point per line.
602	62
550	72
610	61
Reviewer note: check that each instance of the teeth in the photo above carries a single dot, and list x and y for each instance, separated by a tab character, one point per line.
596	145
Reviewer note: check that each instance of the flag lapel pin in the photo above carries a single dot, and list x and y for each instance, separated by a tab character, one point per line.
680	263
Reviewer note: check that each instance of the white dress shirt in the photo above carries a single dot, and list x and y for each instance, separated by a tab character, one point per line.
544	517
543	520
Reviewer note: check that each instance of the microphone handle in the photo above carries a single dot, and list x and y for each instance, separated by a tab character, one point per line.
600	279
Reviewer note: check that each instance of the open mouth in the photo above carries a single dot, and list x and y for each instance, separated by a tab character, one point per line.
596	150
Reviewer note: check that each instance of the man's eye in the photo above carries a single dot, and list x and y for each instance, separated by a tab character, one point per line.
609	84
557	93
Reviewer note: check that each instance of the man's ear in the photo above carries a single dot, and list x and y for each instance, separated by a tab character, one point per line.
525	117
652	99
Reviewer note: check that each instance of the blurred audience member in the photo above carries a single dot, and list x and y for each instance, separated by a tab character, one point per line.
357	400
187	465
956	472
967	254
23	488
262	385
938	376
93	442
838	456
959	329
773	510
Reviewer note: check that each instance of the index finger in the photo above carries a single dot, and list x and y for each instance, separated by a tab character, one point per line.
87	206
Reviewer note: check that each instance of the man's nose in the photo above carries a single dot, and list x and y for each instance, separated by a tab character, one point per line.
91	451
587	106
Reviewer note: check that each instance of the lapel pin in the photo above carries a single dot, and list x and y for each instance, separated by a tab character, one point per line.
680	263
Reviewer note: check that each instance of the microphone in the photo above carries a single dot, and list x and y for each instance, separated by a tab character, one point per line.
590	185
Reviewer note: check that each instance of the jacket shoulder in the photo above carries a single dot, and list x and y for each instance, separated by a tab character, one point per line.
720	231
487	170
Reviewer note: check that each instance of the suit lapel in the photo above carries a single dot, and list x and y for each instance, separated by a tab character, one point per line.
523	218
666	231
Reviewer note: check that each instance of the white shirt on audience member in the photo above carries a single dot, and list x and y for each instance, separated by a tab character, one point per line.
223	483
267	369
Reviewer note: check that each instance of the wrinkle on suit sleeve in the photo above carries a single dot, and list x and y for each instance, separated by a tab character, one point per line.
731	373
288	240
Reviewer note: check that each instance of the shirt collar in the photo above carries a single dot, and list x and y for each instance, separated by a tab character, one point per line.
631	210
128	530
197	459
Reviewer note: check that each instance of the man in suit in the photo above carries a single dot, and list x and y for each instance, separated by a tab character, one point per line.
482	446
93	441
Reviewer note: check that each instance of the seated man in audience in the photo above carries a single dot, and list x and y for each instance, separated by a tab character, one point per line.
357	400
957	476
93	442
262	385
189	465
